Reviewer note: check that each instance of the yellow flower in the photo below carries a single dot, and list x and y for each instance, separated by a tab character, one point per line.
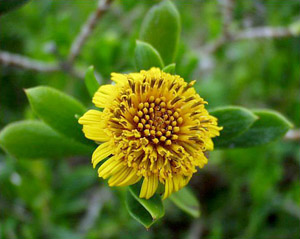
154	126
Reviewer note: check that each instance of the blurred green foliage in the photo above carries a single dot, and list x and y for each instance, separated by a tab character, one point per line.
244	193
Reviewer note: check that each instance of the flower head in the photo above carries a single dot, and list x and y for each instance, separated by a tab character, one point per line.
153	126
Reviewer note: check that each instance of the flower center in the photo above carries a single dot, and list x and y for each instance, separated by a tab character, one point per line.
158	120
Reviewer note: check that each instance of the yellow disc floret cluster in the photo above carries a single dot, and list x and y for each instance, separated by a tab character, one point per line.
153	126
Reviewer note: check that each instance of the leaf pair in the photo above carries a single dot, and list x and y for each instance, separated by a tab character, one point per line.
59	135
245	128
35	139
159	38
146	56
147	212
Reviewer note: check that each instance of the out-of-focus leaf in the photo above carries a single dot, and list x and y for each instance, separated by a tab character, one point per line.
35	139
186	200
137	211
170	68
58	110
161	28
153	206
9	5
91	82
234	120
269	127
146	56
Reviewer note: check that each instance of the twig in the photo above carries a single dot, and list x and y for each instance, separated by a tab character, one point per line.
263	32
287	205
227	7
293	135
247	34
27	63
87	29
227	12
196	230
24	62
292	208
206	62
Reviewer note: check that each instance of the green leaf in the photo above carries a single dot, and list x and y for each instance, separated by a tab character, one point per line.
161	28
35	139
269	127
58	110
137	211
186	200
170	68
146	56
9	5
235	120
153	206
91	82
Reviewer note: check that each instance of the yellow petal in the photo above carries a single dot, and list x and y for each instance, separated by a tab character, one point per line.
132	178
209	144
181	182
118	177
103	151
94	125
110	167
144	188
149	187
104	96
105	166
118	78
176	183
168	187
153	186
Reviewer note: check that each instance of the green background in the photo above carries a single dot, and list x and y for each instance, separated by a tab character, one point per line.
244	193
